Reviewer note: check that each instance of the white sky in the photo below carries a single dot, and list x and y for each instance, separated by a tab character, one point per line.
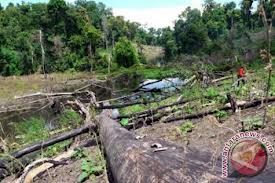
155	17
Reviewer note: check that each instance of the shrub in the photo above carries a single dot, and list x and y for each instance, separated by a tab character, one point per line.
102	59
91	167
124	122
187	127
31	130
70	118
221	114
9	62
253	123
125	53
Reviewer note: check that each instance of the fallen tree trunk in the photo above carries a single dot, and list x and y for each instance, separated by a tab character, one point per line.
149	160
119	98
150	112
221	79
39	94
52	141
4	164
155	118
119	106
225	108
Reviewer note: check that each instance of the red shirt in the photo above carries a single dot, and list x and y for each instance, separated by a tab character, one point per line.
241	72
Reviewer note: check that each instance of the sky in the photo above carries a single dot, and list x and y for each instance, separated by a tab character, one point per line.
150	13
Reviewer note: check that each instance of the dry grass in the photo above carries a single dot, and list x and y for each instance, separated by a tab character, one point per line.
20	85
153	52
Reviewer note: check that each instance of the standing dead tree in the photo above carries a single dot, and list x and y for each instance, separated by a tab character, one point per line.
266	54
42	53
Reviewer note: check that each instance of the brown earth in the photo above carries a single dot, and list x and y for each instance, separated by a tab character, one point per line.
208	135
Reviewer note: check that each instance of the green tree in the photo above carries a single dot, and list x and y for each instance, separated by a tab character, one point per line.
93	36
9	62
190	32
233	15
24	47
214	17
57	13
125	53
246	7
169	43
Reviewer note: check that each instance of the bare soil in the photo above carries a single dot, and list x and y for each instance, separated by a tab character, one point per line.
210	135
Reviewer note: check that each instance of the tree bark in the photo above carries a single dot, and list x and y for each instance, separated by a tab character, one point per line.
42	53
90	52
233	102
132	160
52	141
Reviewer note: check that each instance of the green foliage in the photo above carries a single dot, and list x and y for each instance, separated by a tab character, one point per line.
212	92
91	167
57	148
30	130
124	122
214	17
253	123
191	32
195	91
189	109
71	35
169	43
102	59
70	118
221	114
9	62
80	153
187	127
125	53
132	109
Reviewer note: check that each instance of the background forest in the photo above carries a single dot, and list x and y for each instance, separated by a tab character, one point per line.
86	36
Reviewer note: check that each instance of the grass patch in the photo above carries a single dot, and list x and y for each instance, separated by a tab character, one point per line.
253	123
30	131
132	109
70	118
221	114
187	127
124	122
194	92
92	167
57	148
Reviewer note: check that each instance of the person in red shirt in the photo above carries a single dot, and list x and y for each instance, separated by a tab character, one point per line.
241	76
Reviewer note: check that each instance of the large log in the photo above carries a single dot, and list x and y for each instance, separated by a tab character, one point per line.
119	106
133	160
52	141
4	164
224	108
151	112
156	118
221	79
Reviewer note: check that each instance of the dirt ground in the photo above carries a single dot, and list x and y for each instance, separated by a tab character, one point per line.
208	135
68	173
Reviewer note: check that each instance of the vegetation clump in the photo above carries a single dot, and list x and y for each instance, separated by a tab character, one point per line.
125	53
187	127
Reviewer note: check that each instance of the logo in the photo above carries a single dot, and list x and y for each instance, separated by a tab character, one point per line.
245	154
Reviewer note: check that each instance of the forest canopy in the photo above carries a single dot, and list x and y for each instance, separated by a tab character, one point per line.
84	36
